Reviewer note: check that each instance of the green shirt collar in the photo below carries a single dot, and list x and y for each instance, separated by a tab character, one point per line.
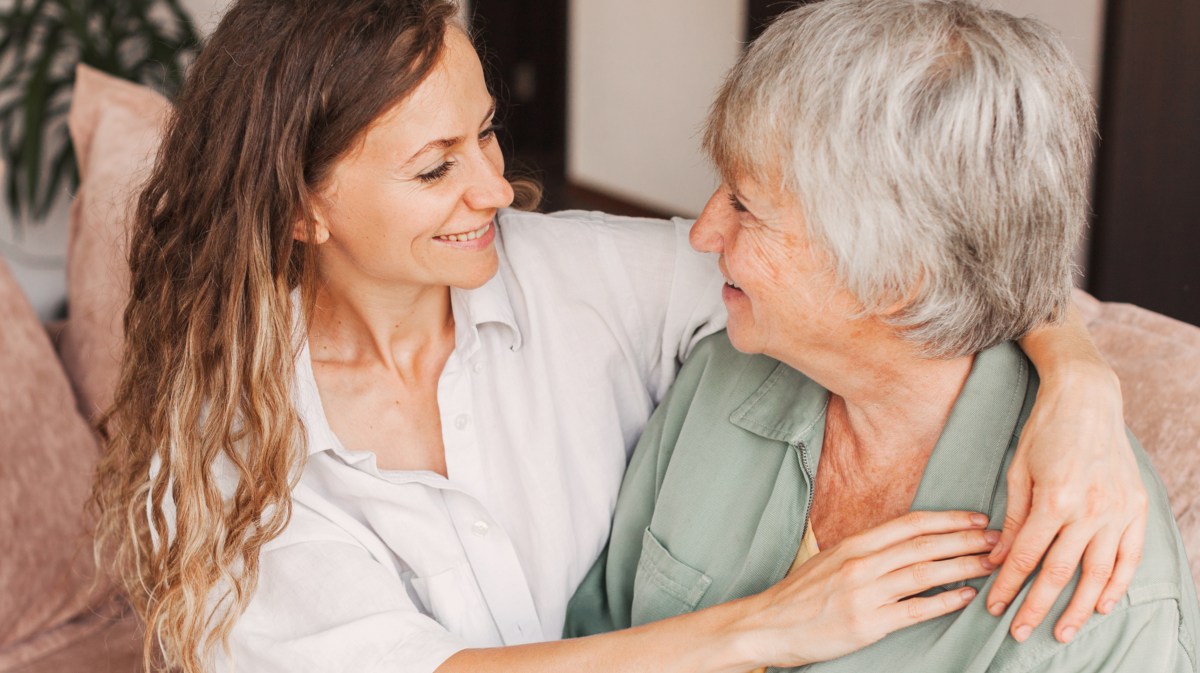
965	466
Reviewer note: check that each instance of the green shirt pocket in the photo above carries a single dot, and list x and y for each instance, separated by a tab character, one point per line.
664	586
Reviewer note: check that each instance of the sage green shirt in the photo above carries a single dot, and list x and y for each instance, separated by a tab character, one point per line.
717	497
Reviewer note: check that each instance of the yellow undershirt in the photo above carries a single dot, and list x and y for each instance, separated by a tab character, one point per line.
808	549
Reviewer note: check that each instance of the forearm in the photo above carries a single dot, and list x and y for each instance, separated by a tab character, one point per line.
1063	352
713	640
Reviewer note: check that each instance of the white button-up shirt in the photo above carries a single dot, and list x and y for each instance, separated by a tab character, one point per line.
558	362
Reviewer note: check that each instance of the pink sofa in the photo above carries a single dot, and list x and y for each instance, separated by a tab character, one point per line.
53	618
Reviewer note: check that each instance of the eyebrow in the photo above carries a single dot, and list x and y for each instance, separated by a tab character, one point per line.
447	143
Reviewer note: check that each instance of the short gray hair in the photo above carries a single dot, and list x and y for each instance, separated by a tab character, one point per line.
941	153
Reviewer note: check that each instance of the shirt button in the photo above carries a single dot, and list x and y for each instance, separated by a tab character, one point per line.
461	421
478	367
480	528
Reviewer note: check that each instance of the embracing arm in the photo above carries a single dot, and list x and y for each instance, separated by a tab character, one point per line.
1073	486
840	601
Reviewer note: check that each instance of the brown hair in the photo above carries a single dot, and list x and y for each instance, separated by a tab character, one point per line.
283	90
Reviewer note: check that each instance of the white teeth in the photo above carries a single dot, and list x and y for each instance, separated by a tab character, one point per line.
732	284
469	236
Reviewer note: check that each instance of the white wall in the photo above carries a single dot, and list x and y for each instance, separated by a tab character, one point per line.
205	13
1081	23
642	73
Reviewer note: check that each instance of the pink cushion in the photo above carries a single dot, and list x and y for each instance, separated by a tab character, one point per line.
115	126
47	452
1158	362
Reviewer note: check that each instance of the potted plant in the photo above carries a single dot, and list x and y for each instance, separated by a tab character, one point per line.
41	41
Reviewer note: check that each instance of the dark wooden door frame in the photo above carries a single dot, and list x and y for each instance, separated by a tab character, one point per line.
1146	231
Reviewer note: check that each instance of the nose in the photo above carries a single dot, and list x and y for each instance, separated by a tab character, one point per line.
488	189
708	233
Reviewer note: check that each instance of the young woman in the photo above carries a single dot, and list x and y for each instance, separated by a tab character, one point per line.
368	420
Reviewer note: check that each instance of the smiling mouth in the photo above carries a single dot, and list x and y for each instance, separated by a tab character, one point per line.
466	236
732	284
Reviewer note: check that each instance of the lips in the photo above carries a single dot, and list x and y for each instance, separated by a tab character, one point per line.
466	235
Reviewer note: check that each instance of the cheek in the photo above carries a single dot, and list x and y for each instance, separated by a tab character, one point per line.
760	262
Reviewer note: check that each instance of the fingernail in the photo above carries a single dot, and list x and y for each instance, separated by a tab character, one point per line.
1068	634
1107	607
996	609
992	536
988	564
1022	633
979	520
967	593
997	551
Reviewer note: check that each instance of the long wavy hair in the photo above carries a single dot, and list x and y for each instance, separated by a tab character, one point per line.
281	92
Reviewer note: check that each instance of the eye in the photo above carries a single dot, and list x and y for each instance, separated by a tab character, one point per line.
736	203
437	173
489	133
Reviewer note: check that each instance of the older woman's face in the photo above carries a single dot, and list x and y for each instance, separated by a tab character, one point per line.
780	290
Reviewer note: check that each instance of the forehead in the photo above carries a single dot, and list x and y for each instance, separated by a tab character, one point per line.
447	104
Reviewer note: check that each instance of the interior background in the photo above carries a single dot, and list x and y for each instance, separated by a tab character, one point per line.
604	101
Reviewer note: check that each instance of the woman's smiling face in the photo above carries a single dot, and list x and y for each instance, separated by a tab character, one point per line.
781	291
414	204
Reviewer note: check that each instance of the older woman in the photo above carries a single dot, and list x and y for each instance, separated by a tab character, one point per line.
903	183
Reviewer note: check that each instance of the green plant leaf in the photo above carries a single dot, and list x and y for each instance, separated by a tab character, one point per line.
40	43
35	113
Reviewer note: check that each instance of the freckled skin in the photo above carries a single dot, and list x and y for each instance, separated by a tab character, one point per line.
792	308
382	221
790	293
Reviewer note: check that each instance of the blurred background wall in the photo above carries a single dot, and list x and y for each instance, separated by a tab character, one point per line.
603	100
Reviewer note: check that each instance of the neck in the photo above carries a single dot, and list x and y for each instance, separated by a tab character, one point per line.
397	327
888	403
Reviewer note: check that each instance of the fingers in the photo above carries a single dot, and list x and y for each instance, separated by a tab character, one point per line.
1058	569
911	611
938	547
1098	563
1129	555
1028	548
1020	496
919	577
911	525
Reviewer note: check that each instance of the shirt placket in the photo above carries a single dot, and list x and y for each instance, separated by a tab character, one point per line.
488	547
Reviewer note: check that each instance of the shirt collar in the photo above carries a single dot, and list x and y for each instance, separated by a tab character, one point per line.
965	466
967	460
489	303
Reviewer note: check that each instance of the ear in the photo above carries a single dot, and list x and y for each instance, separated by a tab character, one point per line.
302	230
313	226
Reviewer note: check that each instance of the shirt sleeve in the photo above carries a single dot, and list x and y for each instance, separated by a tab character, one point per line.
1140	638
327	605
604	600
694	305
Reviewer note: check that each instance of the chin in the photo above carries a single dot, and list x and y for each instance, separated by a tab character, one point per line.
476	278
742	338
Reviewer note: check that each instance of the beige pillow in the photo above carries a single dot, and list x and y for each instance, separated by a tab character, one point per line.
115	126
47	453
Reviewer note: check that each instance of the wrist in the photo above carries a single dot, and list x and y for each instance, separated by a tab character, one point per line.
753	640
1082	374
